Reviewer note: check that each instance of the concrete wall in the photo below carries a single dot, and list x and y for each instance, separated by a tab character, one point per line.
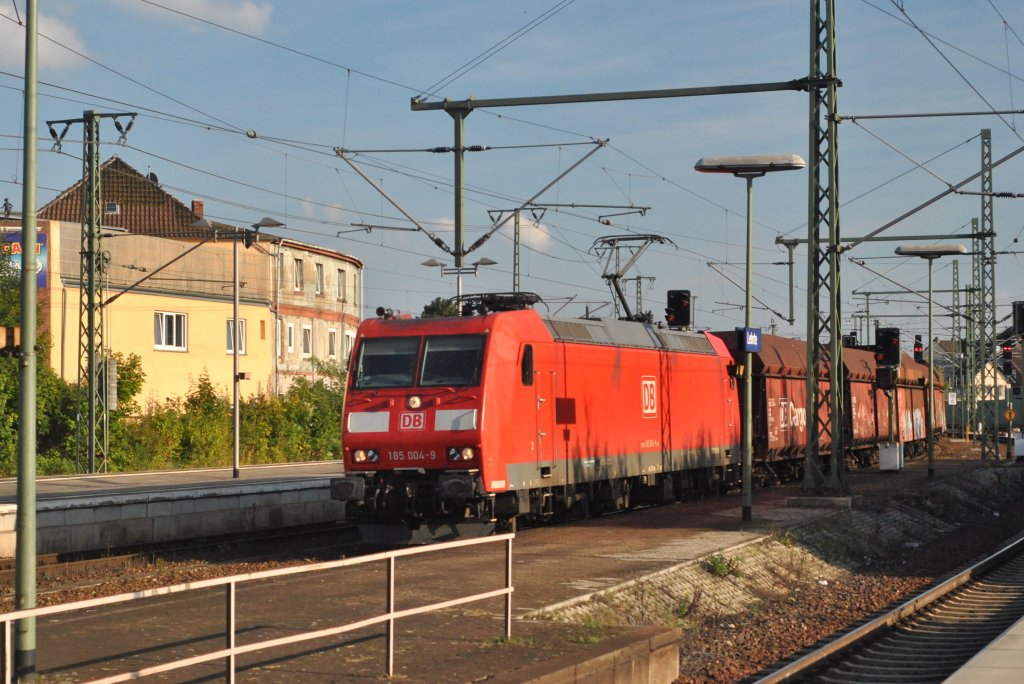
646	655
103	522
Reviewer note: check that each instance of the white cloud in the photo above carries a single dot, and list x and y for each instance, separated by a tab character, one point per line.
536	236
51	55
248	16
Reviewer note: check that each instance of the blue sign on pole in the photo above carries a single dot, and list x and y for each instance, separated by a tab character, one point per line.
751	339
10	244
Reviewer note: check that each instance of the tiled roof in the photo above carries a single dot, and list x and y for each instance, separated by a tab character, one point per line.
142	205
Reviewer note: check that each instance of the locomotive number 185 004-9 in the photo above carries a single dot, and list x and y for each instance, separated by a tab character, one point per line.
413	455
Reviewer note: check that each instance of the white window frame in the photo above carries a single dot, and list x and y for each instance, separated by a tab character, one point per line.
342	286
307	340
319	277
160	330
243	334
291	337
298	278
332	343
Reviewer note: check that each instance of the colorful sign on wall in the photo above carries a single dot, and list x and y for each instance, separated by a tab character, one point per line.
10	244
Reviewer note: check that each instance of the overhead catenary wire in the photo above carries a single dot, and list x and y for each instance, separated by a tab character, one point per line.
326	204
952	66
446	81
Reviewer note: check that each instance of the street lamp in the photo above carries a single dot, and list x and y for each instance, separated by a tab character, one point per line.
248	236
458	272
749	168
265	222
931	253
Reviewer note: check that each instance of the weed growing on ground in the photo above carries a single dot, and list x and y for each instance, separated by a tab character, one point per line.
720	566
689	606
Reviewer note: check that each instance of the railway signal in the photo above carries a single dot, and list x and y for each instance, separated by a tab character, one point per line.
918	349
1018	318
887	341
1008	358
677	314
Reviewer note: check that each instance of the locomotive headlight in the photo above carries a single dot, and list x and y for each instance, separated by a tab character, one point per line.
460	454
363	456
415	402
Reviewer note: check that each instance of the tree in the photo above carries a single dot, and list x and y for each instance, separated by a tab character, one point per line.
440	308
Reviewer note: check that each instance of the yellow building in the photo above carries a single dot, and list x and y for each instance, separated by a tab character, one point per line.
168	285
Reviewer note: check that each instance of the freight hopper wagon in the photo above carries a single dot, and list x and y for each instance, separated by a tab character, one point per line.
780	411
865	408
908	403
483	419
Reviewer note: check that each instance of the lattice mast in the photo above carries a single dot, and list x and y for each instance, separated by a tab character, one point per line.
825	409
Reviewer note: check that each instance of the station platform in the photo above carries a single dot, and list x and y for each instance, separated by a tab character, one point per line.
1002	661
80	513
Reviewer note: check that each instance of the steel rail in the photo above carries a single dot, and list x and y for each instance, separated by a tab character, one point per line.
890	618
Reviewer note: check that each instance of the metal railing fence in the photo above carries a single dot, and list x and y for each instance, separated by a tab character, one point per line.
231	650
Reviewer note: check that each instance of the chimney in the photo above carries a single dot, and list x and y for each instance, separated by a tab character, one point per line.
197	208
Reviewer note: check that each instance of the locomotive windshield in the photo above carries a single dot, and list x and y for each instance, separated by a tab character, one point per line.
391	362
452	360
387	362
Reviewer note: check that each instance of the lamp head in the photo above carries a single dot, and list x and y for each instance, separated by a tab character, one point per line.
752	165
930	251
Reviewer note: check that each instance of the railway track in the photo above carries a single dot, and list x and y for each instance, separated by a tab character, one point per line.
300	541
924	639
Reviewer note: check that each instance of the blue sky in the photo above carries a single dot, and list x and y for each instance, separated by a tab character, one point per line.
311	75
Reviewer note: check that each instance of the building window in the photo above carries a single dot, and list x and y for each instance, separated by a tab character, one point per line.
307	340
298	275
319	279
291	337
350	340
242	337
342	291
169	331
332	343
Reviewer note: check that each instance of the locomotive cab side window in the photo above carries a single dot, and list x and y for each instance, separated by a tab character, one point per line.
527	365
387	362
452	360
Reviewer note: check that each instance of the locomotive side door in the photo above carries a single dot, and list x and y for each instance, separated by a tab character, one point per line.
545	385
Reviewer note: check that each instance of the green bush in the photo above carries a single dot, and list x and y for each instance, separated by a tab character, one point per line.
190	432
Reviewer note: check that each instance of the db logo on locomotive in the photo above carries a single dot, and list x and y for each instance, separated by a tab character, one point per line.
410	421
649	395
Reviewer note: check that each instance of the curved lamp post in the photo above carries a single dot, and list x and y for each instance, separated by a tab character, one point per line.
247	236
931	253
749	168
458	272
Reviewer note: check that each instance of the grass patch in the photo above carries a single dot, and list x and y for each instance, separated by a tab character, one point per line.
513	641
785	538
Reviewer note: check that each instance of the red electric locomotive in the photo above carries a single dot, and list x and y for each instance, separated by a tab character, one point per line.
454	423
512	413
